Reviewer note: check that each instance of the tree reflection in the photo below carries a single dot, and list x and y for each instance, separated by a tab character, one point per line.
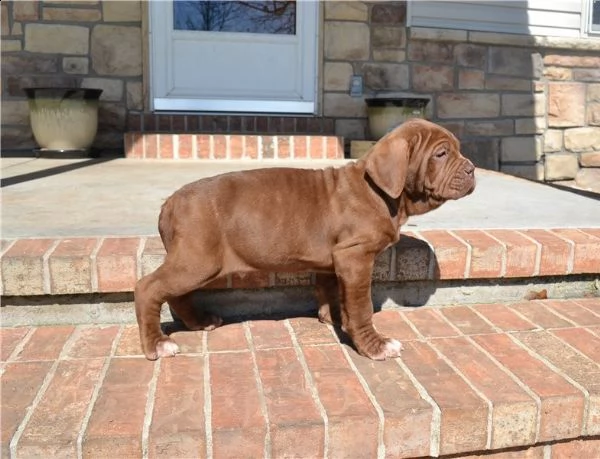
272	17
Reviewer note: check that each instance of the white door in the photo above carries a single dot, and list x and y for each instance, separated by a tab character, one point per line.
234	56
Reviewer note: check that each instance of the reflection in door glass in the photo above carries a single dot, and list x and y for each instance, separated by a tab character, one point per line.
273	17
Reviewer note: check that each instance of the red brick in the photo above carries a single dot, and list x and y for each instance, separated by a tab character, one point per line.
514	413
22	267
268	334
466	320
166	150
580	369
129	343
20	383
562	404
151	146
335	148
54	427
486	254
257	279
592	231
539	314
239	428
392	324
413	257
503	317
577	449
573	312
236	146
311	331
317	149
587	250
283	146
190	342
293	279
268	146
71	266
186	149
136	142
582	340
407	426
251	149
219	146
464	414
229	337
450	254
93	341
429	323
296	426
300	147
520	253
203	146
116	263
177	428
348	408
556	252
153	255
46	343
10	339
115	427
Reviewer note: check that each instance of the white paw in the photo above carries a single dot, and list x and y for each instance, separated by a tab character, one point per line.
167	348
392	348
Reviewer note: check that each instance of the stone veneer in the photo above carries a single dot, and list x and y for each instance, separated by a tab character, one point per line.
525	105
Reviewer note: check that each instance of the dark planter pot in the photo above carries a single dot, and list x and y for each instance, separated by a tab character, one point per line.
388	112
64	119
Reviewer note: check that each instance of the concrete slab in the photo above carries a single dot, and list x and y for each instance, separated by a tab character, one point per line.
60	198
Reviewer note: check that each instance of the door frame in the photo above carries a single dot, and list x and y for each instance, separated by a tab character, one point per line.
158	44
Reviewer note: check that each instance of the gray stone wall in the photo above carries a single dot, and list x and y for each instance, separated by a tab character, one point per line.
82	43
524	105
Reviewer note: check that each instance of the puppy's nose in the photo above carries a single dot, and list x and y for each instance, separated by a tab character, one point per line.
469	168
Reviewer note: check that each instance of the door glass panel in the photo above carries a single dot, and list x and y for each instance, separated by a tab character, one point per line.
270	17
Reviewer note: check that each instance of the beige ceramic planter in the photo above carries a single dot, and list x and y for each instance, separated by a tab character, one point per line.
63	119
387	113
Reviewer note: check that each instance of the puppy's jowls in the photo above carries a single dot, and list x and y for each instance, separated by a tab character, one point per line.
333	221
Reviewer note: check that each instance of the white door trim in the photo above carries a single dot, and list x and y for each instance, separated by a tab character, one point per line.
160	30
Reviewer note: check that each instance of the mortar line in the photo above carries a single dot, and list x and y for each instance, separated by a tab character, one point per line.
469	253
490	415
46	282
565	318
175	138
518	382
504	259
371	397
96	391
149	410
586	307
573	348
38	397
139	254
207	399
412	326
545	361
538	252
94	262
436	412
6	249
194	146
311	385
18	348
261	392
571	259
485	319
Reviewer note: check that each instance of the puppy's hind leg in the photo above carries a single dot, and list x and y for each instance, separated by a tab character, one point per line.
169	282
192	318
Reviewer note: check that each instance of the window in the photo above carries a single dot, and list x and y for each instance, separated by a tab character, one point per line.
594	16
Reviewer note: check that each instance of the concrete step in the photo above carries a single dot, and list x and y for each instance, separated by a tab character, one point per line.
200	146
502	380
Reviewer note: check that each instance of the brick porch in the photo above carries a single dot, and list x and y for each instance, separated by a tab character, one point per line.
522	376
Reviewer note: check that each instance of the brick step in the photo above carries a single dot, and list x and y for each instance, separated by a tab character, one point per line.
114	264
199	146
502	380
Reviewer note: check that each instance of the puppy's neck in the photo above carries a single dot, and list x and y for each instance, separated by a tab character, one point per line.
417	205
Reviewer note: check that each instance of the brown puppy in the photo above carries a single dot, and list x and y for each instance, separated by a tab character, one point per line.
332	221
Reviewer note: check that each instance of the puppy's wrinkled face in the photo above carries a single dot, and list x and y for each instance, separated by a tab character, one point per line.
441	171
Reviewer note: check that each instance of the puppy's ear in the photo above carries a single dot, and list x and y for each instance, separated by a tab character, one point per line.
387	165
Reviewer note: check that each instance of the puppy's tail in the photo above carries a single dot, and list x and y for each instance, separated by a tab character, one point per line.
165	228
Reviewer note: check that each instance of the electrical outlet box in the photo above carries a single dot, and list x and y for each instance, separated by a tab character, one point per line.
356	86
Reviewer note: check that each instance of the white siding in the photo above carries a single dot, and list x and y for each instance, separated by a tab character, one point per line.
534	17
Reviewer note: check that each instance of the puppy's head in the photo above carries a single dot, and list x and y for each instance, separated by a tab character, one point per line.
422	160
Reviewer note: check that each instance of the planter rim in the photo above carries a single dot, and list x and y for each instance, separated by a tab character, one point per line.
412	102
63	92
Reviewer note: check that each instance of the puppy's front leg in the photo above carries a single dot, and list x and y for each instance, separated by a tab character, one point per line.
354	268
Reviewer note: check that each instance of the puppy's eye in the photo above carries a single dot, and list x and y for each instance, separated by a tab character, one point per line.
441	154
